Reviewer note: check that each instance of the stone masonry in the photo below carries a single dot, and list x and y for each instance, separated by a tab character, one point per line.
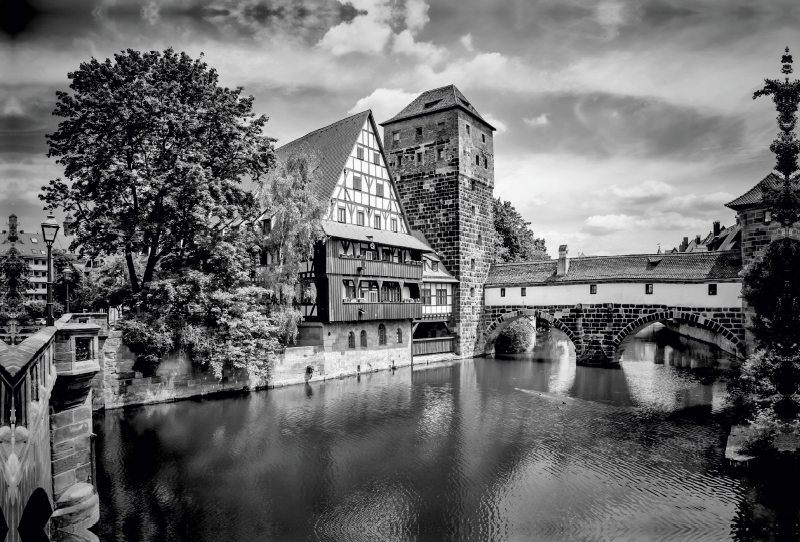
445	178
597	330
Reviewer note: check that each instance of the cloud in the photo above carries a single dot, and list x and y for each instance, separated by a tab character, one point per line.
646	192
384	102
656	220
703	202
541	120
367	34
612	14
405	44
466	41
497	123
416	15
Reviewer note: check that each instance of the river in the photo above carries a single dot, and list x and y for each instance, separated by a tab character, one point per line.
525	447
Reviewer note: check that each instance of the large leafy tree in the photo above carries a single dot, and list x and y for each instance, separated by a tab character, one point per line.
14	280
154	152
514	240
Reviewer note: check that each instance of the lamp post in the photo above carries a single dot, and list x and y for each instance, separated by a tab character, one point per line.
67	276
49	231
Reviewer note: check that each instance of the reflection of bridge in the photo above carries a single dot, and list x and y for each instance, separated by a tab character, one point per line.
599	301
46	455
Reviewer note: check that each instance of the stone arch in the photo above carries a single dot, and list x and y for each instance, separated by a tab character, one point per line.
693	319
504	320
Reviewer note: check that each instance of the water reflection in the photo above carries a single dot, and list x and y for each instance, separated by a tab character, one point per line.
529	447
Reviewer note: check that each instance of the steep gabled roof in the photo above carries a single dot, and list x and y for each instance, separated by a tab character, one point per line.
753	197
670	267
438	99
330	145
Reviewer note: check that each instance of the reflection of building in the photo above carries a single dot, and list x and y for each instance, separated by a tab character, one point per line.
34	251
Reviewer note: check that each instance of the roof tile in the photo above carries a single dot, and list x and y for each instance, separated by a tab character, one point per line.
438	99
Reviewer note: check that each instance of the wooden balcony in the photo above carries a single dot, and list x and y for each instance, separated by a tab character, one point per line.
373	268
353	312
436	345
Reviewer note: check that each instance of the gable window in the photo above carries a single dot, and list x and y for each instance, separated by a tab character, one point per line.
468	129
648	288
434	266
377	222
379	190
381	334
360	218
523	292
356	183
341	216
502	292
593	288
351	340
360	153
418	133
712	289
394	225
363	338
376	158
483	138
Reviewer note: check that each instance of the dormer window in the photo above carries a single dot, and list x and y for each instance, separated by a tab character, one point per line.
431	104
434	266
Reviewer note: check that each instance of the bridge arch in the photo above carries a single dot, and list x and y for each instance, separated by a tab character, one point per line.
494	329
690	318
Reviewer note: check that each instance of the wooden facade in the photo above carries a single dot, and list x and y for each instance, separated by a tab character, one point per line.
438	345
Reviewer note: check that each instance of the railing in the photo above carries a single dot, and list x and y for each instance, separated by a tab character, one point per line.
354	311
374	268
435	345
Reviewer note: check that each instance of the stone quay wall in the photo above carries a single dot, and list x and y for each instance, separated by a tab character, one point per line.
118	384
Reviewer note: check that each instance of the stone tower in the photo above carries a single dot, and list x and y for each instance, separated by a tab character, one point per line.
441	155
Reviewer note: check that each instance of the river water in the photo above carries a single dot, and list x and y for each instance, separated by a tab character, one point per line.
529	447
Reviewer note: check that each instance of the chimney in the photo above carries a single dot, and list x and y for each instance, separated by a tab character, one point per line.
716	228
12	228
563	261
697	240
682	246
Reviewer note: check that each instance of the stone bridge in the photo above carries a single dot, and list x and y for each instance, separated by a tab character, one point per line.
598	330
47	486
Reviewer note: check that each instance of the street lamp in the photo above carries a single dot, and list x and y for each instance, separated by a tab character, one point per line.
49	231
67	276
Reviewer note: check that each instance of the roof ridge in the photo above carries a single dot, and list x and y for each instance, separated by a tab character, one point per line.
612	256
318	130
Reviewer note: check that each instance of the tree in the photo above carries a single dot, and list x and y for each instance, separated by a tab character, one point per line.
517	338
784	200
514	241
154	152
14	280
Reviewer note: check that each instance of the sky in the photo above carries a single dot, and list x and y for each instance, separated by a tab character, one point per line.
621	125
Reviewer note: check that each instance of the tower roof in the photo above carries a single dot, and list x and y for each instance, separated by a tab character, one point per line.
438	99
331	145
755	195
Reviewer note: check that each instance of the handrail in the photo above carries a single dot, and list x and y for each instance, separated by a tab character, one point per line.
433	339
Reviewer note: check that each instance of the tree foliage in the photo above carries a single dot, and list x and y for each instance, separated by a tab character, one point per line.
517	338
514	241
14	280
153	151
784	200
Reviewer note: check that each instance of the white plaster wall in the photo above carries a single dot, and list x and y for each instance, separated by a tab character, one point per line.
684	295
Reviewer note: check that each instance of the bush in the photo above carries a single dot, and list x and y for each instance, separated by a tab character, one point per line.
150	341
517	338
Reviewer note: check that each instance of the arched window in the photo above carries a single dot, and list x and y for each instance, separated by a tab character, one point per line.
351	340
363	338
381	334
399	335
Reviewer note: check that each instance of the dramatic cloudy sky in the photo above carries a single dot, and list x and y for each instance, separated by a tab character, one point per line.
621	123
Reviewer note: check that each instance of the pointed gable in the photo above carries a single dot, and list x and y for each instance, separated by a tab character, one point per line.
438	99
331	146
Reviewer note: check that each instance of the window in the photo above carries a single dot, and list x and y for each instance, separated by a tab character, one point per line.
480	239
363	338
360	153
399	160
266	226
441	296
485	162
468	129
440	126
472	185
351	340
419	157
648	288
523	292
394	225
502	292
379	189
396	137
386	255
418	133
483	138
472	292
360	218
712	289
472	264
439	154
356	183
593	288
477	160
381	334
341	215
399	335
472	208
376	158
426	296
434	266
377	222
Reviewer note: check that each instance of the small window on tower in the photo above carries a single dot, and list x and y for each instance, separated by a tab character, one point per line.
399	160
472	185
472	292
468	129
472	208
485	162
477	160
483	138
472	264
439	154
419	157
440	126
418	133
396	137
